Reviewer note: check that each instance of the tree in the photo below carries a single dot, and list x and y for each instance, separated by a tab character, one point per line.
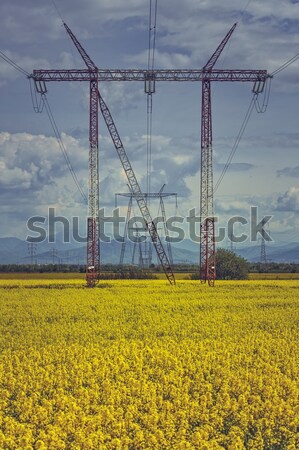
230	266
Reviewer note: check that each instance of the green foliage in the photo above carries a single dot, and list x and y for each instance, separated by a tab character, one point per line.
230	266
274	267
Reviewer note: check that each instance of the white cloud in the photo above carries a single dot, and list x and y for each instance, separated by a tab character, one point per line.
121	96
33	162
14	178
289	201
168	60
230	206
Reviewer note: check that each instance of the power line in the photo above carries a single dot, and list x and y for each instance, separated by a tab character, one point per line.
261	109
151	89
13	64
244	10
38	107
62	146
236	144
285	65
150	66
57	10
152	35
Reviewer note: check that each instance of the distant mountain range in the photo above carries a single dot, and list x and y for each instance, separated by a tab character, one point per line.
17	251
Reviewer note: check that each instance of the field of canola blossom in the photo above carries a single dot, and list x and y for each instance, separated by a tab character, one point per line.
141	365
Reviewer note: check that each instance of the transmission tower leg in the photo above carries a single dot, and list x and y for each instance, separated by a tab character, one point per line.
141	259
162	206
134	251
263	258
207	230
93	224
93	252
150	253
123	245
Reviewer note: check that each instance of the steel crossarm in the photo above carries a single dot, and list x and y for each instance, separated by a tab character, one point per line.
238	75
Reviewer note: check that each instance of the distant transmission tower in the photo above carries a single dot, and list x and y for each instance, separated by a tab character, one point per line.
232	247
54	255
263	256
138	244
145	250
31	248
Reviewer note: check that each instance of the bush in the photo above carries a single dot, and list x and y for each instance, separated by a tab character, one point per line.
229	266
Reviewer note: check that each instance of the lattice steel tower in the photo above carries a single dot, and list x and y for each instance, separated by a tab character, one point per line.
206	75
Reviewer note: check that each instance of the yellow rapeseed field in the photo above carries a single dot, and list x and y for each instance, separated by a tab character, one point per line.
141	365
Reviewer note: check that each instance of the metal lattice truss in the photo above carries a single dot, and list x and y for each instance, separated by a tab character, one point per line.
143	75
94	75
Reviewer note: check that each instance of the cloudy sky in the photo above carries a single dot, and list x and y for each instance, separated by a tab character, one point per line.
265	169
